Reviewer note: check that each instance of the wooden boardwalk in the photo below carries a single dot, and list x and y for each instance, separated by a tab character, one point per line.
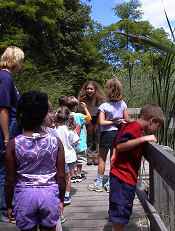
89	210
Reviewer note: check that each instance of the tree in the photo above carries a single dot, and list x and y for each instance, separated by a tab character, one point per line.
129	10
52	34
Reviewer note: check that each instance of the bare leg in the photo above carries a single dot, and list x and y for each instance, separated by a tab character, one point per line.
79	168
118	227
68	182
102	160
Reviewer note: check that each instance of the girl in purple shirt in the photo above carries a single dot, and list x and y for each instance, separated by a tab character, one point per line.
35	168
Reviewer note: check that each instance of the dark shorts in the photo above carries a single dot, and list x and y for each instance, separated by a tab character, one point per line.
121	199
107	138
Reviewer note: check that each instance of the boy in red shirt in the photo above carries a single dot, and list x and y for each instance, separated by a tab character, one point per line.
126	161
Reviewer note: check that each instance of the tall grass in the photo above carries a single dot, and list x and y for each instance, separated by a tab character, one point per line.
163	81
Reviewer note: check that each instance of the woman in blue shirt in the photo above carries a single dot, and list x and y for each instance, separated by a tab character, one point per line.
10	62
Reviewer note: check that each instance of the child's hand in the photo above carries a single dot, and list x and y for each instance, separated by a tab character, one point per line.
150	138
119	121
112	158
83	104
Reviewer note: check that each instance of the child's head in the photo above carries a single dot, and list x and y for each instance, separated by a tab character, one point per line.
114	89
91	89
32	108
154	117
63	117
72	103
62	100
49	120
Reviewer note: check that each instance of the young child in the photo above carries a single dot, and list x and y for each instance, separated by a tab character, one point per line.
81	147
92	95
35	168
126	161
65	131
110	114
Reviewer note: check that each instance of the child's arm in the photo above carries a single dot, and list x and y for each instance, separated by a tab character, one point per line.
88	117
103	121
130	144
125	115
10	163
61	177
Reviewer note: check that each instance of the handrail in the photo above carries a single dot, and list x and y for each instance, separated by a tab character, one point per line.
163	161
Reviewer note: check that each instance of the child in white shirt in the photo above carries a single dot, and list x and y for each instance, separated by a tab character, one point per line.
65	132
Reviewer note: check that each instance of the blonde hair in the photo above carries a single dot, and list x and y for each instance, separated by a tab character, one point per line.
152	111
12	58
114	89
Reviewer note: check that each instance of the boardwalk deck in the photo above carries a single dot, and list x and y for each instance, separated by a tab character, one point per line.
88	210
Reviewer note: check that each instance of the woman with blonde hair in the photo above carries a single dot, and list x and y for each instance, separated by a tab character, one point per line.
10	62
111	114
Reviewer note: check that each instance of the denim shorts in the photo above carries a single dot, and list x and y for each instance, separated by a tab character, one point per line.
121	199
36	206
69	167
107	138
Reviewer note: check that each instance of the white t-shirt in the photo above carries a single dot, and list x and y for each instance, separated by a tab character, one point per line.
112	110
68	139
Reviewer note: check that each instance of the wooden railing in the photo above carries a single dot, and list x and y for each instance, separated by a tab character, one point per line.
159	201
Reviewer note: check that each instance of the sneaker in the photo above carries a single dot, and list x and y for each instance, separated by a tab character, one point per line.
89	162
79	179
4	218
67	200
73	179
107	188
63	219
94	187
83	175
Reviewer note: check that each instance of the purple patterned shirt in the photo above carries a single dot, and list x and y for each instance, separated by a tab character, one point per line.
36	160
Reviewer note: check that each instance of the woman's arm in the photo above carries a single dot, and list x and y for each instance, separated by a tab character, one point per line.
4	122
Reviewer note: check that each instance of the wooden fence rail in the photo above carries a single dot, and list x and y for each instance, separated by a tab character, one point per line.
159	203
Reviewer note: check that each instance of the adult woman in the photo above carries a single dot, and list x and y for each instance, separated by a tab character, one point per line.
10	62
92	94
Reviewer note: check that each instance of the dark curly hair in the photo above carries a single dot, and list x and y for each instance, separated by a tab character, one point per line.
32	108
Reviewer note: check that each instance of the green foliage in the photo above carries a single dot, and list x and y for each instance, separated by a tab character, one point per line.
129	10
60	54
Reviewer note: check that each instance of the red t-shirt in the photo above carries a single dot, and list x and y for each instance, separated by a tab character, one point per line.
127	164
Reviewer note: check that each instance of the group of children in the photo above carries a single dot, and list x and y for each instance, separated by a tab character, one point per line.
52	148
